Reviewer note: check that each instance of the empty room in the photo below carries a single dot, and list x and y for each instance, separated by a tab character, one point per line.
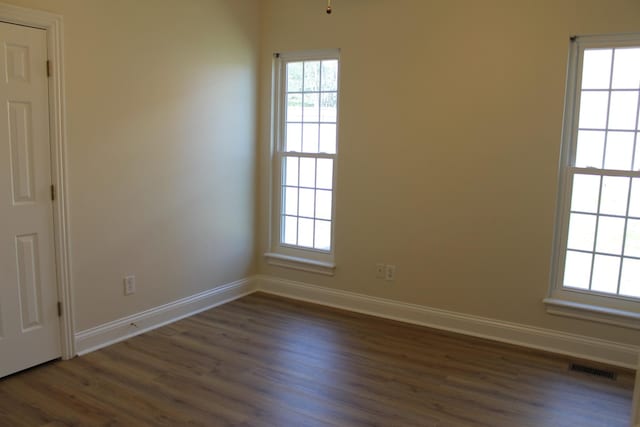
320	213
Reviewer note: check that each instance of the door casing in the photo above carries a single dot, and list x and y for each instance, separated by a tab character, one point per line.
53	26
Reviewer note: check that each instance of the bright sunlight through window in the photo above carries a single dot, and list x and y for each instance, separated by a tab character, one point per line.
306	151
602	249
306	148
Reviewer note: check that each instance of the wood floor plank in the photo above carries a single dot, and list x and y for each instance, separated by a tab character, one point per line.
268	361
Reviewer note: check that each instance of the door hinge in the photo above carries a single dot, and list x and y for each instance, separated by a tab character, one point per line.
53	192
59	309
48	68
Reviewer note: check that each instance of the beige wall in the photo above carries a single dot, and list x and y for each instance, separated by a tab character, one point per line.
161	101
451	117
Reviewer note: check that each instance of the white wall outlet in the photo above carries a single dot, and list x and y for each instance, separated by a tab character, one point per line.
390	272
380	270
129	285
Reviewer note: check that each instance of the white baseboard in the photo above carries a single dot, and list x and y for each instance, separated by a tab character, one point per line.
124	328
543	339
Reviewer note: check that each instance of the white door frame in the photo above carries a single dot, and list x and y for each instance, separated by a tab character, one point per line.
52	24
635	417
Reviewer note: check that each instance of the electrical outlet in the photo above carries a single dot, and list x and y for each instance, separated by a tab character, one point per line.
390	272
380	270
129	285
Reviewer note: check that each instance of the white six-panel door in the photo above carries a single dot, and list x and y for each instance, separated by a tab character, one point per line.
29	326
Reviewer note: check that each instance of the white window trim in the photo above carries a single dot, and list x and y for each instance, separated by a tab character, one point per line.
561	307
580	304
296	258
301	264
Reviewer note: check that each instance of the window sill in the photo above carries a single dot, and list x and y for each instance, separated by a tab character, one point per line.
302	264
611	316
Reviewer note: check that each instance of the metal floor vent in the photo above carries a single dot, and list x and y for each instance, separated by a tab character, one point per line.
593	371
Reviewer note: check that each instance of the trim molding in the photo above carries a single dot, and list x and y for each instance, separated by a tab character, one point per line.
136	324
560	307
542	339
302	264
53	25
583	347
635	406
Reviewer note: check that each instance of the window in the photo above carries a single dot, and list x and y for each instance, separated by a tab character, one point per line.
597	254
304	161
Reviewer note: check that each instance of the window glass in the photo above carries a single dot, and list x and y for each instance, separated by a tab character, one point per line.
310	144
602	241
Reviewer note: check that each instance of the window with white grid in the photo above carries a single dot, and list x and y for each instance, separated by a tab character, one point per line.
306	151
599	251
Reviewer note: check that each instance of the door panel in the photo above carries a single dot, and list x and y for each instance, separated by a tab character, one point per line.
29	326
21	148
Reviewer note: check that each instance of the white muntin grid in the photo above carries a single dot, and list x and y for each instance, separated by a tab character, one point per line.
600	246
306	152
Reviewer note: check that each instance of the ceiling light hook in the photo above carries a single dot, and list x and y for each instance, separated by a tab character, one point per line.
329	7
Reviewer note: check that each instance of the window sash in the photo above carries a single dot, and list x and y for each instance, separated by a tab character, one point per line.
569	170
278	242
594	251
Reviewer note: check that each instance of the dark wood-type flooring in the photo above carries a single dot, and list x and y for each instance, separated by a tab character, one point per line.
268	361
